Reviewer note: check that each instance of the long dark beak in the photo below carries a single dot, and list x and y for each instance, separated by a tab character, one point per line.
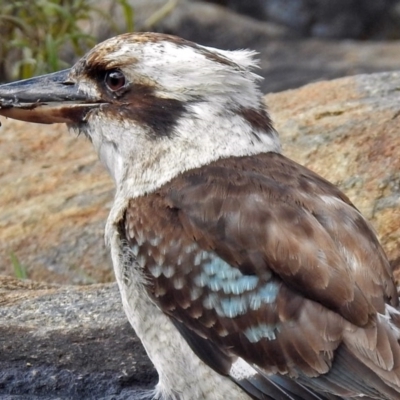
45	99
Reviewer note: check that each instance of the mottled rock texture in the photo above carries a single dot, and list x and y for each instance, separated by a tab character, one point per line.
70	343
54	200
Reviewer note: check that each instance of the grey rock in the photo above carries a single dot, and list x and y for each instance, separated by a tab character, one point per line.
68	343
354	19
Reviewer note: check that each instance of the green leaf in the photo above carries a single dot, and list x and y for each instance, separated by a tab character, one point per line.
128	15
19	270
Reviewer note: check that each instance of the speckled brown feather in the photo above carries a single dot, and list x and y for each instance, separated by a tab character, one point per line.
268	217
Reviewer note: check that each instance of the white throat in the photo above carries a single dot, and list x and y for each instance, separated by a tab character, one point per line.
140	164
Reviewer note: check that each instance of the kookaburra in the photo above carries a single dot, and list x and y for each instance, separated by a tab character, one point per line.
244	274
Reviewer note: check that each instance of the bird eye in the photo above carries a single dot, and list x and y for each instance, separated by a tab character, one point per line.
114	80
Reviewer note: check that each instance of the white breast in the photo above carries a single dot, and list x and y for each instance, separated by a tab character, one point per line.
182	375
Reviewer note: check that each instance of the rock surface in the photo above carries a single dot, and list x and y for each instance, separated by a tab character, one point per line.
54	200
68	342
324	18
73	342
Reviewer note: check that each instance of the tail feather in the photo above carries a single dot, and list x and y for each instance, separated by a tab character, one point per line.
350	377
261	386
381	358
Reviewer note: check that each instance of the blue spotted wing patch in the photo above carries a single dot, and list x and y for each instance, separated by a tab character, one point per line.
250	315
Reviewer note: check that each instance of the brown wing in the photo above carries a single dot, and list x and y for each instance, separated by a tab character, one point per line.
268	262
302	226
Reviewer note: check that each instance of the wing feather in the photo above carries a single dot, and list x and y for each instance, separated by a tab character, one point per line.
264	261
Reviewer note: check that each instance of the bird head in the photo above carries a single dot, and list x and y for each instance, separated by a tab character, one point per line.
153	106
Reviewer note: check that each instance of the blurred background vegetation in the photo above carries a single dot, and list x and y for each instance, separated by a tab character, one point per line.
35	34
